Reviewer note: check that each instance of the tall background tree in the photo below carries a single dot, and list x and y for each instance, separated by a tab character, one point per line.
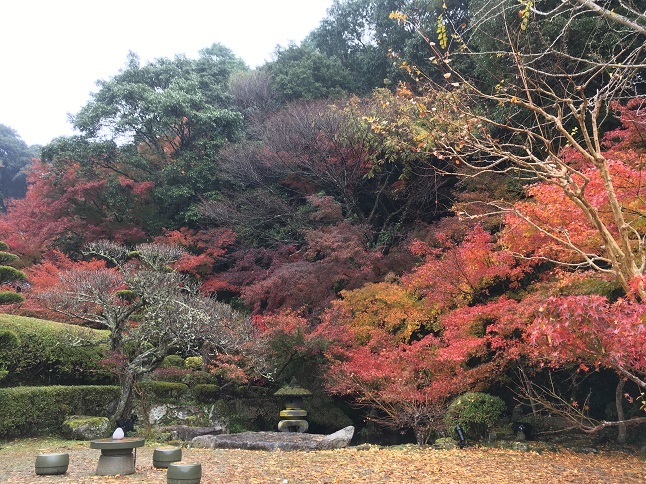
15	158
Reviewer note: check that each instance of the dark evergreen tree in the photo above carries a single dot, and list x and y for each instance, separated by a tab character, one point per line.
15	158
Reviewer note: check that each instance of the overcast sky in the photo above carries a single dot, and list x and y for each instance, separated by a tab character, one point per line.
53	51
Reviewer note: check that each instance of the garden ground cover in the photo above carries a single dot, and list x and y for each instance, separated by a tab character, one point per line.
352	465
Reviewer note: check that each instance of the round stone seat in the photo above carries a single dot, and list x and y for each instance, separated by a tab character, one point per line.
163	456
184	473
52	464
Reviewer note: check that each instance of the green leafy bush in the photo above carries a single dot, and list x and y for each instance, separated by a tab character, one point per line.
199	378
172	361
9	274
9	297
475	412
193	362
28	411
206	393
7	258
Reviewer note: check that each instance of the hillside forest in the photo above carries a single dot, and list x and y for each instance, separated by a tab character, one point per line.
423	198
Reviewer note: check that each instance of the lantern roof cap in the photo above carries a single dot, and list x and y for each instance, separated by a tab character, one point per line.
292	389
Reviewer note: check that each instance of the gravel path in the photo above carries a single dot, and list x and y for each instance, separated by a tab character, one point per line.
350	465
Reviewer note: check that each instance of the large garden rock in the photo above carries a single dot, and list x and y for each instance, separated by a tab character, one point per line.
276	440
338	439
82	427
188	415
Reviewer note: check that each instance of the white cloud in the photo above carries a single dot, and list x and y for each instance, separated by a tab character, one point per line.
55	50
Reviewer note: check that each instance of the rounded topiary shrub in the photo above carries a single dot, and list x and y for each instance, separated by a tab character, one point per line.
199	378
9	297
193	362
7	259
172	361
475	412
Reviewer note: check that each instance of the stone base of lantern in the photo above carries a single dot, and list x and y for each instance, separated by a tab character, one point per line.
296	425
293	413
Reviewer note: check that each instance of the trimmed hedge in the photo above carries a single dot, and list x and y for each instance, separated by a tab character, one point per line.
199	378
206	392
172	361
9	297
45	352
165	390
29	411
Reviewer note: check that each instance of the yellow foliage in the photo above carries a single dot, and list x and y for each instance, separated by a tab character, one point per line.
524	13
399	16
442	37
385	306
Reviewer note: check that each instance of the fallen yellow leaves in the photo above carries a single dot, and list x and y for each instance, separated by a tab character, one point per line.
353	465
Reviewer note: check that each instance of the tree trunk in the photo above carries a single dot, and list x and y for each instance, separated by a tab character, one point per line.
619	395
124	407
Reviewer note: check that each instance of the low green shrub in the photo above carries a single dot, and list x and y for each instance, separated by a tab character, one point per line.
193	362
29	411
9	297
8	273
206	392
475	412
7	258
172	361
199	378
165	390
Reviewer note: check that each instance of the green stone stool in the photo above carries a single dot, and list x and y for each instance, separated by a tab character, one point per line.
163	456
52	464
187	473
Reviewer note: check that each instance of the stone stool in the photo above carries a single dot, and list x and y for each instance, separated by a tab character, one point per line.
52	464
163	456
187	473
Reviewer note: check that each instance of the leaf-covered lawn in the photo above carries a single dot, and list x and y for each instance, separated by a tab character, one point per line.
371	465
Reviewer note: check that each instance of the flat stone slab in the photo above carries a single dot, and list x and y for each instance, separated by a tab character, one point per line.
184	432
275	440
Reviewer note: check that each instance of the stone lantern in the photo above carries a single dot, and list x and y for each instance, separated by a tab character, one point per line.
293	417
